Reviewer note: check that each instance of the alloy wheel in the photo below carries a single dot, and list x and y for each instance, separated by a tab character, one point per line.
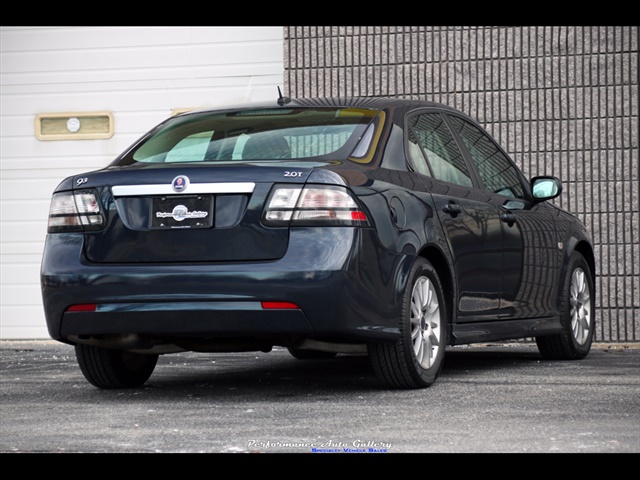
425	322
580	301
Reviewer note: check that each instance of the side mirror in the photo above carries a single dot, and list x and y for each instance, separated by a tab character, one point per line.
545	188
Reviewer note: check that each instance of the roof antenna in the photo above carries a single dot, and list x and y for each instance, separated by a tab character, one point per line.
282	100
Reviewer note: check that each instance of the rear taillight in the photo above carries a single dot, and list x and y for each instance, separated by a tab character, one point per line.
75	212
312	205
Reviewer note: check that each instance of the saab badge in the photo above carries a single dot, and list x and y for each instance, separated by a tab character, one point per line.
180	183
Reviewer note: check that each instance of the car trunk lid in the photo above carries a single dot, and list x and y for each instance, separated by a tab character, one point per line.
188	214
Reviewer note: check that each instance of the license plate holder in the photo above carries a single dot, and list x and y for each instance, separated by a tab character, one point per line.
181	212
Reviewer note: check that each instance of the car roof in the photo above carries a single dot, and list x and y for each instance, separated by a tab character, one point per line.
344	102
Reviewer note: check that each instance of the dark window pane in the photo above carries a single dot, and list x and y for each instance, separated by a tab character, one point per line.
440	148
496	171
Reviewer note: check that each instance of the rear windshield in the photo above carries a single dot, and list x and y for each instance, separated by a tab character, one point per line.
271	134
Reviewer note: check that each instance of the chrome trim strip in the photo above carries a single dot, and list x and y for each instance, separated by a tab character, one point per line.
165	189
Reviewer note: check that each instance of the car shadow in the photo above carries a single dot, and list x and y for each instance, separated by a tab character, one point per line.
277	374
465	360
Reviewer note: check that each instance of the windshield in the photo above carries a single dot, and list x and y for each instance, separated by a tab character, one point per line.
270	134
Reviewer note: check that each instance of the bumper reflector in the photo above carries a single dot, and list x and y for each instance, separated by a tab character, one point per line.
83	307
279	305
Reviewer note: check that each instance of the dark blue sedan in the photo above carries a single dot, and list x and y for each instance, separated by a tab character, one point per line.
389	227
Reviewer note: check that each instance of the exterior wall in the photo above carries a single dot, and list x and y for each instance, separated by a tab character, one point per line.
139	75
562	100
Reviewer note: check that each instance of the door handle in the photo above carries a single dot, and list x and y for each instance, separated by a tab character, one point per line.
509	218
452	209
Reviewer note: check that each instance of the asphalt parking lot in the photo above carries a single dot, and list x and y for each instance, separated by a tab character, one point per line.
488	399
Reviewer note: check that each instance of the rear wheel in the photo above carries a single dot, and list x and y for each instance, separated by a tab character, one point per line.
416	359
108	368
577	315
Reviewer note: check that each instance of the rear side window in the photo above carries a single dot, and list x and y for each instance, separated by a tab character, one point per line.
278	133
430	138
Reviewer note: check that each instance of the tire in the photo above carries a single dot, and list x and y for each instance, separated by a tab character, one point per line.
416	359
577	315
109	369
310	354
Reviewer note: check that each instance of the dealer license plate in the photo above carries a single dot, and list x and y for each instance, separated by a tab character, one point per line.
174	212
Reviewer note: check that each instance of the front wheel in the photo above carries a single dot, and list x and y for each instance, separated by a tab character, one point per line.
416	359
108	368
576	315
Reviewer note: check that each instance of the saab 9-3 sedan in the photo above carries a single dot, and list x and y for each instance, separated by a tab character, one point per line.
388	227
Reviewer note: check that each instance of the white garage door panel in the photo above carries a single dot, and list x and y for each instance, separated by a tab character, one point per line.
30	147
28	153
52	81
19	232
23	39
157	94
28	39
236	34
263	53
20	293
21	258
24	210
230	95
31	189
21	252
139	74
15	126
103	81
13	325
38	168
157	57
23	322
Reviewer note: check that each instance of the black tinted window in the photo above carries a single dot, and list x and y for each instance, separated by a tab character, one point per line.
254	135
496	171
430	133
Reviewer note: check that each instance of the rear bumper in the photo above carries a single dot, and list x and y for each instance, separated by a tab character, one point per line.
184	318
345	285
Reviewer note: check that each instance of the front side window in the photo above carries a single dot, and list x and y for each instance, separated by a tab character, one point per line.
496	171
268	134
429	136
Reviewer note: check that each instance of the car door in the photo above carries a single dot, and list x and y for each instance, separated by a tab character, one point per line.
529	243
471	223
